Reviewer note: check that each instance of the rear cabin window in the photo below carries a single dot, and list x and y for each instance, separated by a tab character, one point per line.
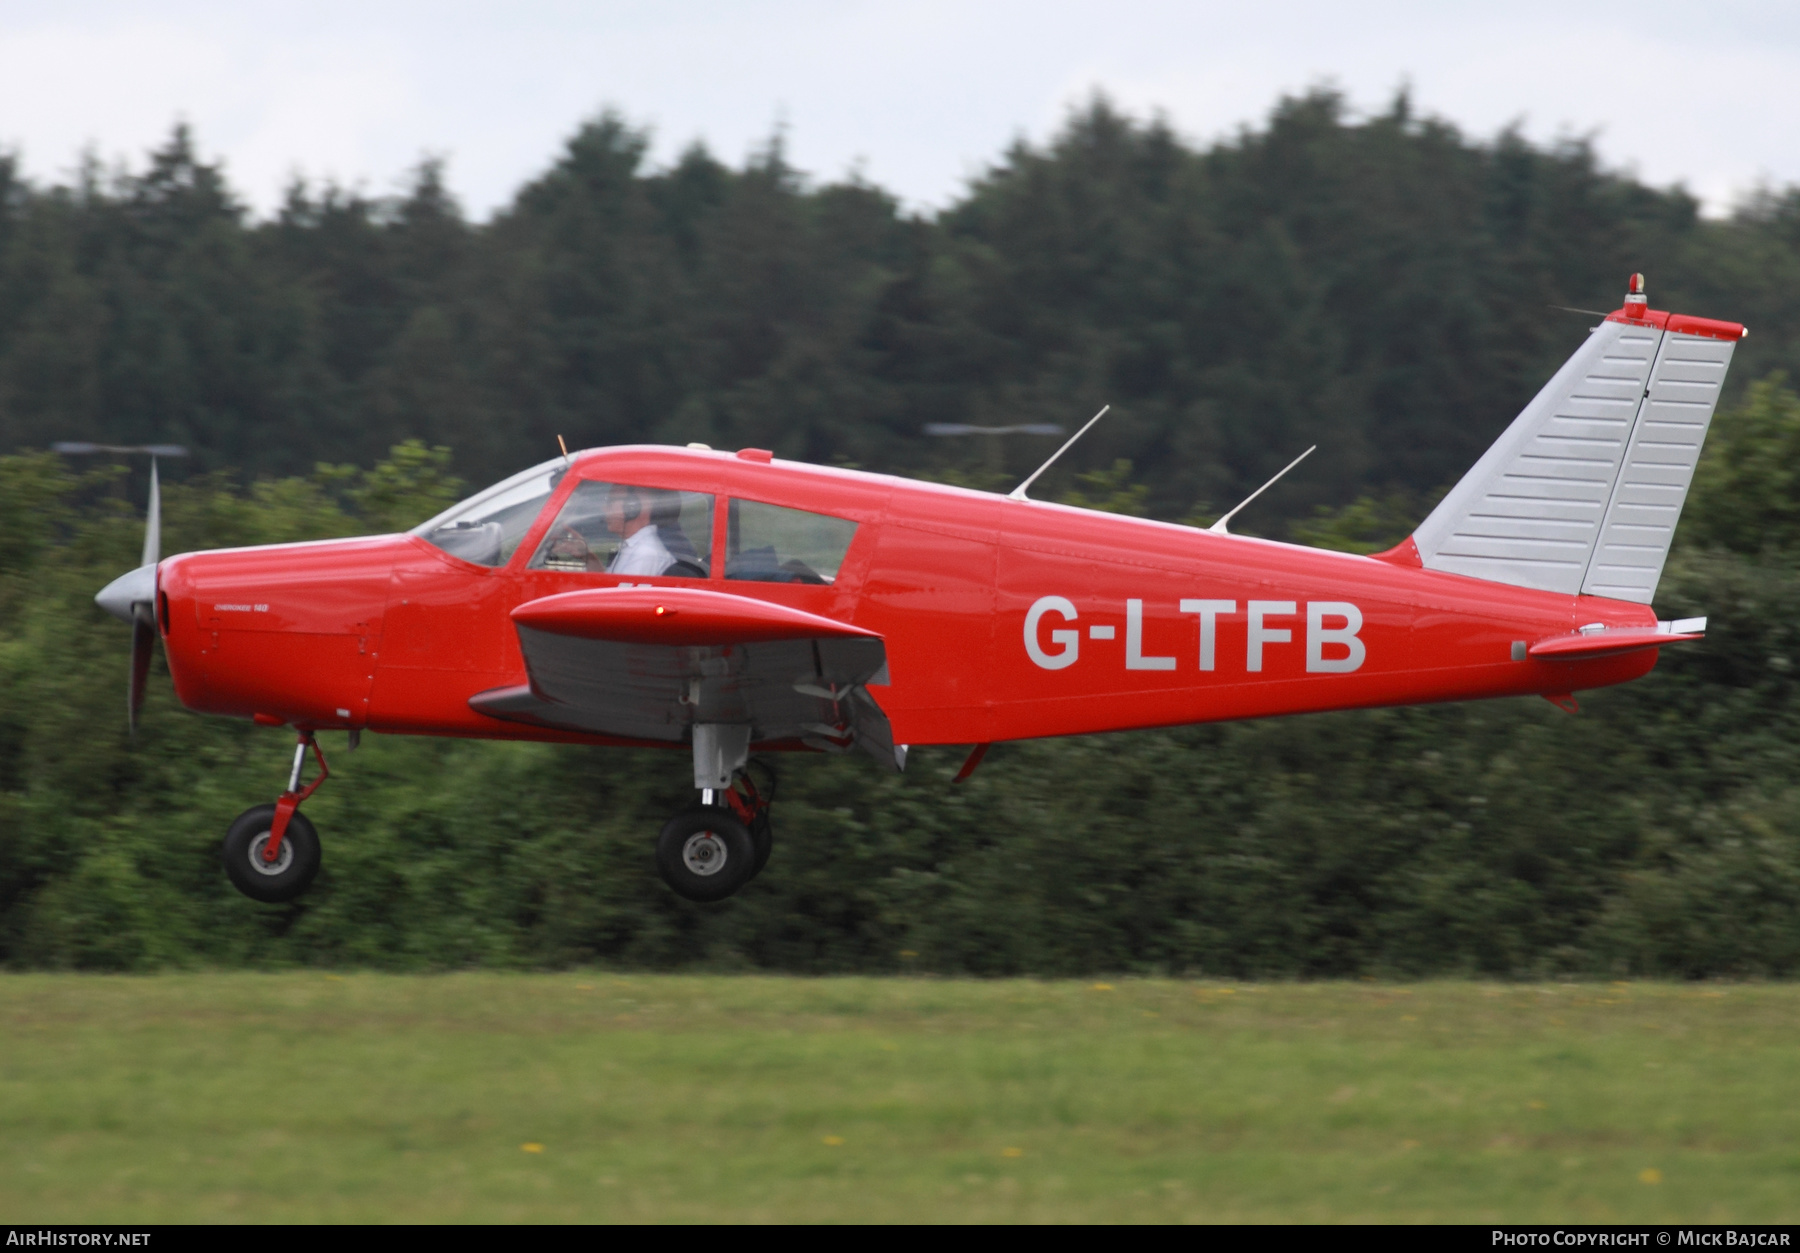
623	528
770	544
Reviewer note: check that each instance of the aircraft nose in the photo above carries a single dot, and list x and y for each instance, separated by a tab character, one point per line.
135	588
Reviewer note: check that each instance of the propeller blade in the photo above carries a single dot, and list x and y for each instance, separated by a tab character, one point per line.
131	597
143	643
153	521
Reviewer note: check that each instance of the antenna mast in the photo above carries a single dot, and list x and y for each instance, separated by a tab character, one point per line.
1018	493
1218	528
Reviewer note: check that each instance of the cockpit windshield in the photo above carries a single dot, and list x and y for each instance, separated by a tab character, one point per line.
487	527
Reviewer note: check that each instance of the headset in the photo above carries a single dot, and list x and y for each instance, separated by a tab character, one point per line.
631	502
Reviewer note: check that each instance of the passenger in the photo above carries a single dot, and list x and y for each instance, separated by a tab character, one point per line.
665	512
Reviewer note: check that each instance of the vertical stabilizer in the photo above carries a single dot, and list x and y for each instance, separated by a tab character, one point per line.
1582	492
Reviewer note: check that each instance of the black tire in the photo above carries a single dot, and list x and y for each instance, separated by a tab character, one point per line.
705	854
762	839
294	870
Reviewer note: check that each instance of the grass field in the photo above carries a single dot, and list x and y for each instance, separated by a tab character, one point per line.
579	1097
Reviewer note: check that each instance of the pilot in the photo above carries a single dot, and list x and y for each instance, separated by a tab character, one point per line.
631	515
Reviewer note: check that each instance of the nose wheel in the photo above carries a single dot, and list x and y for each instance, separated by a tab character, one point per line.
295	865
272	852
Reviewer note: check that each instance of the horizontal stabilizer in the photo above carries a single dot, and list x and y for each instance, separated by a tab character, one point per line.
1588	643
1582	492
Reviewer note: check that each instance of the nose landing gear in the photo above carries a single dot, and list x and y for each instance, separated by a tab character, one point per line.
272	852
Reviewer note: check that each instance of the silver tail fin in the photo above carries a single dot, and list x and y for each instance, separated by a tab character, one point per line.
1582	492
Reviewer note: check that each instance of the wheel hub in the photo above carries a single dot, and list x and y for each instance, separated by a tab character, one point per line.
703	854
284	857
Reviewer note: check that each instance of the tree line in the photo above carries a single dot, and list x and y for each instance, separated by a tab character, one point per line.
1384	287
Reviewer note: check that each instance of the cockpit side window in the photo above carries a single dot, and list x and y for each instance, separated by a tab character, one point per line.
771	544
624	528
487	527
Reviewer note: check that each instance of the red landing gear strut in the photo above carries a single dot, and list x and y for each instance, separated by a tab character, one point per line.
289	802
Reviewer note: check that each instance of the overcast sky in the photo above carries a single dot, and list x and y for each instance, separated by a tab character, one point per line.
917	95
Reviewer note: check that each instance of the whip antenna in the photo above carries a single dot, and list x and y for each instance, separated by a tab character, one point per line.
1218	528
1018	493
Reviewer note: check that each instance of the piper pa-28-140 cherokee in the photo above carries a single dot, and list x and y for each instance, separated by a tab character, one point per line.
732	604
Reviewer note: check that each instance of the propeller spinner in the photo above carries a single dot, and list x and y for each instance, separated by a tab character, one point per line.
132	597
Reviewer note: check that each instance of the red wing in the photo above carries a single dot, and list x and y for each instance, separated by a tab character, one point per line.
648	663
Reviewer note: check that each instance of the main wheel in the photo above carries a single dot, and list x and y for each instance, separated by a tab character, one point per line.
294	867
705	854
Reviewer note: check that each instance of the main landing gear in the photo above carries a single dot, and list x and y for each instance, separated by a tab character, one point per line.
708	852
272	852
705	853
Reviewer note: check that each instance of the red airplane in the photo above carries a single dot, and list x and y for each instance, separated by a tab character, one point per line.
730	604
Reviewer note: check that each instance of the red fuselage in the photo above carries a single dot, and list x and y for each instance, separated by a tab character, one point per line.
1003	619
